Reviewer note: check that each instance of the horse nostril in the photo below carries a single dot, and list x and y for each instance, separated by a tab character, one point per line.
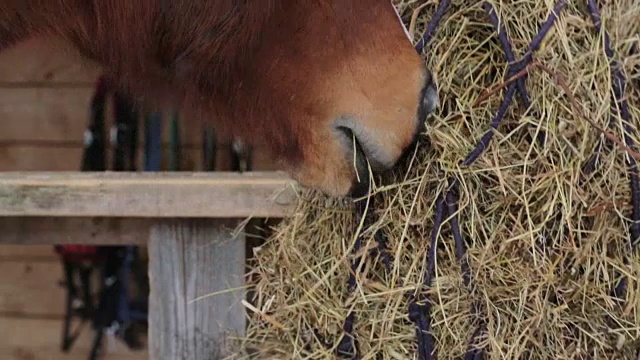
429	99
428	102
360	157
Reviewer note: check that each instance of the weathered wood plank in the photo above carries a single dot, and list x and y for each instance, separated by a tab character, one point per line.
39	339
31	288
46	60
14	252
67	157
44	114
140	194
190	259
39	159
72	230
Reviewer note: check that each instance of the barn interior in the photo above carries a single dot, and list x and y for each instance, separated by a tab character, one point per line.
58	115
547	232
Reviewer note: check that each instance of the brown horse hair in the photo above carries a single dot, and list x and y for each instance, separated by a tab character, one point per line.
280	73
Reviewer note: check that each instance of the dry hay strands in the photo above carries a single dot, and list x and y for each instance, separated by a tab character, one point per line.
419	308
517	73
516	284
432	25
364	201
620	110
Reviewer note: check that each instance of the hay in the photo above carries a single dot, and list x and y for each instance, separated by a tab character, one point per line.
544	211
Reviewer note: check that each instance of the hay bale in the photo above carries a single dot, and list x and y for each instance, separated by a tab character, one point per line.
544	211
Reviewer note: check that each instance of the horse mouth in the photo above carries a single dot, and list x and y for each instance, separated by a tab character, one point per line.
360	161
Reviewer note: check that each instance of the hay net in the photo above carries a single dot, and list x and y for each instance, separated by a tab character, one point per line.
512	235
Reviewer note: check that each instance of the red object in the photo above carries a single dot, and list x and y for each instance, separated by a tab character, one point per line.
78	253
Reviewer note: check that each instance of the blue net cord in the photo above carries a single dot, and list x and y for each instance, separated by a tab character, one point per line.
153	141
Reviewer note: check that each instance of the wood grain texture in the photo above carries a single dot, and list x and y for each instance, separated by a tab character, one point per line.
190	259
39	339
45	94
45	60
57	157
30	289
39	159
60	157
18	252
70	230
140	194
44	114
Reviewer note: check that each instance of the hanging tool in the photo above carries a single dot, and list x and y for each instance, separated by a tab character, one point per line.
80	261
241	154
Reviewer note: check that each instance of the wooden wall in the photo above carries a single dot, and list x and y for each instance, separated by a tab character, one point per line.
32	309
45	91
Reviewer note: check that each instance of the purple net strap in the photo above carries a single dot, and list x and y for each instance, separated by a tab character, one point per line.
419	312
431	26
447	204
347	348
452	211
473	352
618	90
419	307
514	67
517	66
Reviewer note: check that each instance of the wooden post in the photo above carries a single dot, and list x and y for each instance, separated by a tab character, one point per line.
196	266
190	259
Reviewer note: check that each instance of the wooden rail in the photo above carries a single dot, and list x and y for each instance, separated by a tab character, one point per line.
146	194
187	221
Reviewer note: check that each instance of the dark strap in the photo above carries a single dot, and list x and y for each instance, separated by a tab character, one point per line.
94	156
209	146
153	142
174	155
124	133
447	203
421	317
619	84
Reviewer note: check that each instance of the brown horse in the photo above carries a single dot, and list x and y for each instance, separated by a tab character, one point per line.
298	76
